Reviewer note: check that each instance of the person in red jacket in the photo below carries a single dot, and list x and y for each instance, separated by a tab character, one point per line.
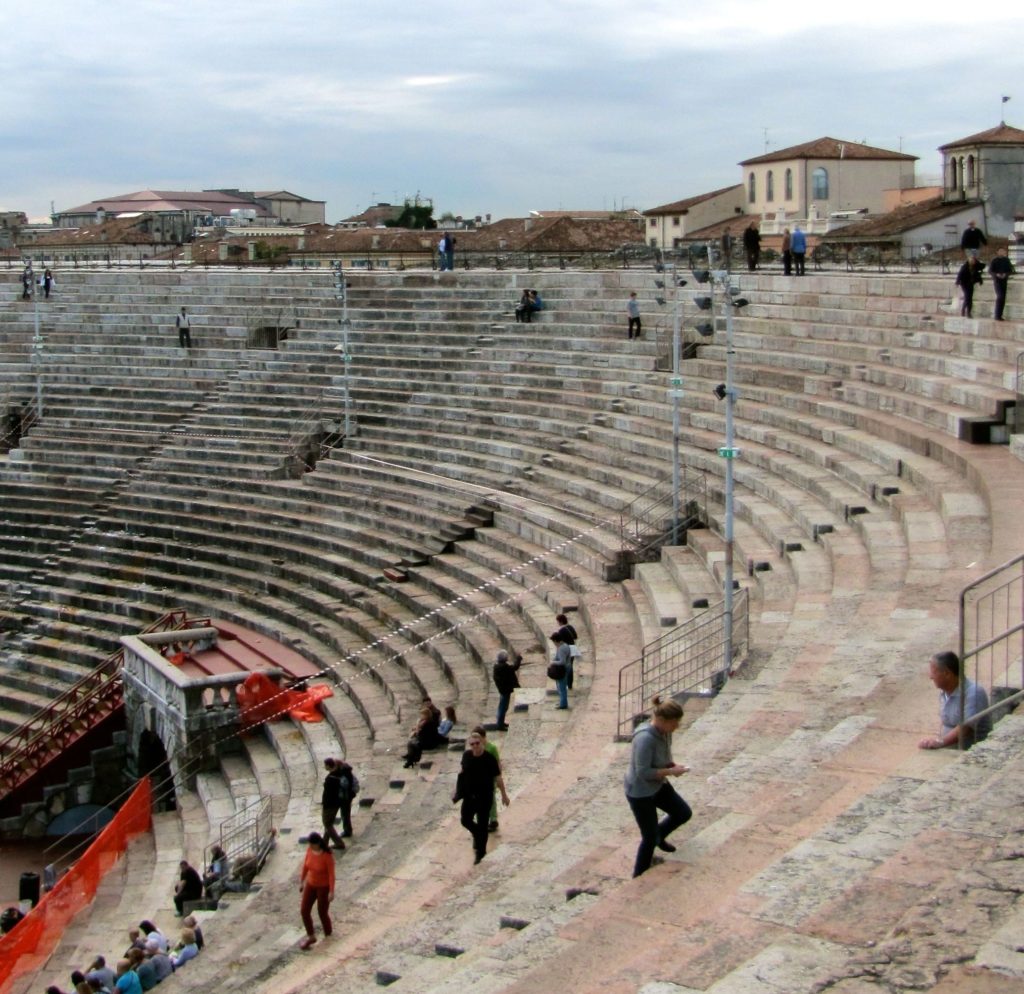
316	882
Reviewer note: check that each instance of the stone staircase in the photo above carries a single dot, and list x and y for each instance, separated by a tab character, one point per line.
818	857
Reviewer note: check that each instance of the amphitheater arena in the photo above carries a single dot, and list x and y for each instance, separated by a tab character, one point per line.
484	487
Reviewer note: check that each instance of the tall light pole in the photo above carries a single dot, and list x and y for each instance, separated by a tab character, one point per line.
37	343
341	291
727	392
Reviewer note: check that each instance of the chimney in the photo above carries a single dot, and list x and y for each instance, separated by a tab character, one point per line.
101	215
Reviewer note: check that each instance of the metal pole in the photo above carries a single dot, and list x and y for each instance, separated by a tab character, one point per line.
730	455
37	346
676	393
342	291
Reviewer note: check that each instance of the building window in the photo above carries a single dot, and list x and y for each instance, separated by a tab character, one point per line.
819	184
789	184
654	243
952	174
769	186
654	222
751	189
970	170
677	243
675	222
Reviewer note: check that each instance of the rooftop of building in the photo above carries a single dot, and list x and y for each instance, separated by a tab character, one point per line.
829	148
682	206
210	201
1002	134
901	220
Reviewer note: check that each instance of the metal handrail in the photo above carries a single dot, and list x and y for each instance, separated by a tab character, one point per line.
1018	411
646	522
689	660
991	619
52	729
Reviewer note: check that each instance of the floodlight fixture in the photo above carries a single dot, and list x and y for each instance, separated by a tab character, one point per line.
704	302
720	391
739	302
660	284
701	275
660	301
705	328
681	283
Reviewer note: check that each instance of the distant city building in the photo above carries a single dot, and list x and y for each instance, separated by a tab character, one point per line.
290	208
987	167
824	176
192	207
667	226
10	224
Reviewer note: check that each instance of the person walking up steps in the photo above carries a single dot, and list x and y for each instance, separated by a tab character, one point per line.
647	786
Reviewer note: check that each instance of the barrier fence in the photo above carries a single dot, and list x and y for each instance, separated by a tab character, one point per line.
26	947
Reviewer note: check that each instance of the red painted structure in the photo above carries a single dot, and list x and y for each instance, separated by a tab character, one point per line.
56	728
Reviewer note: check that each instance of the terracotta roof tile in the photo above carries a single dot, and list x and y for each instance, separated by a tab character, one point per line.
899	221
829	148
1003	134
678	206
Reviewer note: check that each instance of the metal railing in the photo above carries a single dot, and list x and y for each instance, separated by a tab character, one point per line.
243	835
54	728
302	446
648	521
1018	410
687	661
992	636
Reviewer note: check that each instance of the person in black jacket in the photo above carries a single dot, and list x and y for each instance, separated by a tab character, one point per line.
967	278
331	801
972	240
1000	269
752	245
506	679
480	773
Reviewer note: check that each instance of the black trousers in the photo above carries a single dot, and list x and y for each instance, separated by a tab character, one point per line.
1000	288
475	815
645	811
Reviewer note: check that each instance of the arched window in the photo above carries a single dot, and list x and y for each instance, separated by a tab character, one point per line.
952	174
789	184
970	170
751	188
819	184
769	186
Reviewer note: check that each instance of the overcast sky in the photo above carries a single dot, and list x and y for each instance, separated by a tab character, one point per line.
482	107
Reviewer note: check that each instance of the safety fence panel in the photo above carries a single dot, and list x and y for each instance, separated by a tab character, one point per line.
26	947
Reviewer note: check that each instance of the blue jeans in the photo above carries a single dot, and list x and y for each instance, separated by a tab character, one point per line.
562	686
645	811
504	700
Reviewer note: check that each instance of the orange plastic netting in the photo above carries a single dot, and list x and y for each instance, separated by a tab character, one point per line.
25	948
261	699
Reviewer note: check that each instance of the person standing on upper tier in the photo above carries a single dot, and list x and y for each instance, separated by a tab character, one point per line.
1000	269
633	313
972	240
798	245
184	329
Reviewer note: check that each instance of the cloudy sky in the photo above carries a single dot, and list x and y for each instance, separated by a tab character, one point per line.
483	107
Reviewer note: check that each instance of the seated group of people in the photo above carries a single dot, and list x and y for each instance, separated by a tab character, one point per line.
431	731
529	304
148	960
217	879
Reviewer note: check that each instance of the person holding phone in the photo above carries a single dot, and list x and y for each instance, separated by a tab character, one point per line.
647	783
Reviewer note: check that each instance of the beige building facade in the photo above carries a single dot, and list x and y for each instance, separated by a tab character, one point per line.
820	178
666	227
